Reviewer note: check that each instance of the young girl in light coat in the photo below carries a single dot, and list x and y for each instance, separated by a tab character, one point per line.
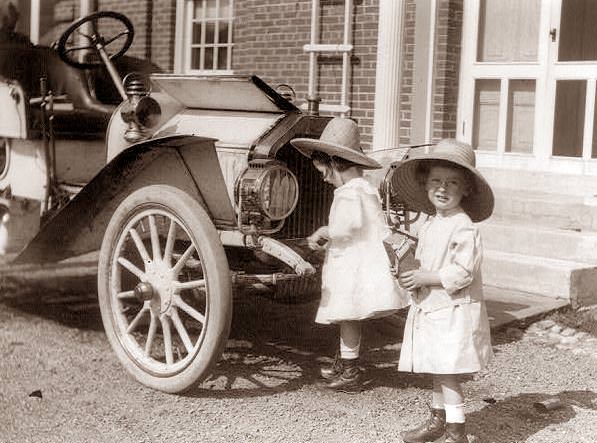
356	280
447	330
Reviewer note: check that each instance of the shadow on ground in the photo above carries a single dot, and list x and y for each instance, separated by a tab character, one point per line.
272	346
517	418
68	301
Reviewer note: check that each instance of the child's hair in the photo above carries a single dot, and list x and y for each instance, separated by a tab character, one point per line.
339	163
424	167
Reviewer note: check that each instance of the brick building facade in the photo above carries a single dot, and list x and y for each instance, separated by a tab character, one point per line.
269	36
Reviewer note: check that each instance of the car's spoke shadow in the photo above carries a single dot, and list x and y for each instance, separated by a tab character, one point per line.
277	347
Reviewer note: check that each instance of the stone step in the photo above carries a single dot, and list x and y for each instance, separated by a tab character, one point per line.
562	279
539	241
506	305
574	184
562	211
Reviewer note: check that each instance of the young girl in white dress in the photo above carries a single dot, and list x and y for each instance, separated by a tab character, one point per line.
447	330
356	280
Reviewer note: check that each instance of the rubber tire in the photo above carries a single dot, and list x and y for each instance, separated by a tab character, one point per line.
199	225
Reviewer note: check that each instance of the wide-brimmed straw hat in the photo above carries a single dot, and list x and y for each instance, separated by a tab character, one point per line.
478	204
340	138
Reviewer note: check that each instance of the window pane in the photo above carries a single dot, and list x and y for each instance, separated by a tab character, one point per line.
521	116
196	33
210	31
487	104
222	59
210	10
225	9
209	59
198	9
196	58
223	33
211	34
508	30
578	33
569	118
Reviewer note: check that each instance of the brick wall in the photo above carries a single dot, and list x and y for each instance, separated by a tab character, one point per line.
154	22
269	36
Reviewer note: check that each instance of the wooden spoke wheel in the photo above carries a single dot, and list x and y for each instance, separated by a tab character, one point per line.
164	288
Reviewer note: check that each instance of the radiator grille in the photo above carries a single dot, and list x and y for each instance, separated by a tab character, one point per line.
315	196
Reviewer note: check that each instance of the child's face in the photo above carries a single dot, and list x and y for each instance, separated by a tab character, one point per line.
445	188
327	173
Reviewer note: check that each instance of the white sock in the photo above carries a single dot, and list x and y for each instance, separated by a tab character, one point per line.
437	400
455	413
350	340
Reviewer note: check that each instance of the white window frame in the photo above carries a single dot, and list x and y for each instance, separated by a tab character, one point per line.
545	71
184	44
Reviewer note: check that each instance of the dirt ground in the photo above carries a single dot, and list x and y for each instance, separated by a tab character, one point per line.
61	382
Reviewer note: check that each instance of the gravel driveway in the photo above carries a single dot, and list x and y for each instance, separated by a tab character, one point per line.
60	381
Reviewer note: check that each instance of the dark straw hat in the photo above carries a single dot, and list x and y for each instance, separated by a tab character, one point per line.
340	138
478	204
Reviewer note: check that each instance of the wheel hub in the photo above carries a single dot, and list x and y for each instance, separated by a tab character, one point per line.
144	291
160	277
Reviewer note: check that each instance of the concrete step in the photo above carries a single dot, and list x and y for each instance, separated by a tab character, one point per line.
539	241
573	184
556	210
505	305
560	279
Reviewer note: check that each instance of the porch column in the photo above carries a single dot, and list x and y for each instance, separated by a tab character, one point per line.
34	16
386	121
87	7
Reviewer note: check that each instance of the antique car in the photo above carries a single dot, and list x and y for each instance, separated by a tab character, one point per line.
187	185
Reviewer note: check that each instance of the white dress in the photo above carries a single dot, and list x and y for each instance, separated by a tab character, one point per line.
356	278
447	329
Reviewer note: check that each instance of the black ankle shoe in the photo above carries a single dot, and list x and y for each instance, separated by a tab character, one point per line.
431	430
334	370
349	379
455	433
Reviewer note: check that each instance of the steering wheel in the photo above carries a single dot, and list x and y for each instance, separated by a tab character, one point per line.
96	41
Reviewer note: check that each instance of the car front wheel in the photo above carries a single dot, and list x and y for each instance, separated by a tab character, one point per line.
164	288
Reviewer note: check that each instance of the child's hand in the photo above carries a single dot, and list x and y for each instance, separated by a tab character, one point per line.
317	241
418	278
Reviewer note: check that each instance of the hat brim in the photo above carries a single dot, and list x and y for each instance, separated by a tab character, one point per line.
478	205
307	146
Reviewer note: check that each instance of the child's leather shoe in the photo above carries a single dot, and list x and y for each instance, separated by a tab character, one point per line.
428	431
334	370
456	433
349	379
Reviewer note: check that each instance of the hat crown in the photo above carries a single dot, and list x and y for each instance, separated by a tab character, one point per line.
460	152
342	132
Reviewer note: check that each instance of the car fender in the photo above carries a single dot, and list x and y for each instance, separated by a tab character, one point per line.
187	162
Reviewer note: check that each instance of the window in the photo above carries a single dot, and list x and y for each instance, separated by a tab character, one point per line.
208	36
505	75
528	83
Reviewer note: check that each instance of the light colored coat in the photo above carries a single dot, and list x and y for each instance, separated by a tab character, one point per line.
447	329
356	278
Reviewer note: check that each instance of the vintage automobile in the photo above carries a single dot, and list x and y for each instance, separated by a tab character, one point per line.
187	185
